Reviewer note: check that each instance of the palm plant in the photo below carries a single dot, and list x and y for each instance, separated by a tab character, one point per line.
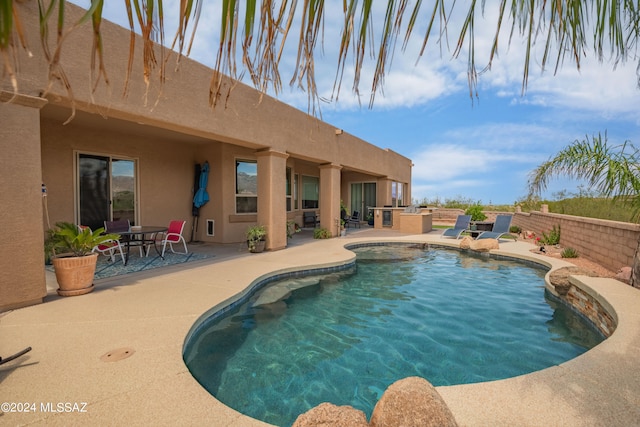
563	28
68	238
612	170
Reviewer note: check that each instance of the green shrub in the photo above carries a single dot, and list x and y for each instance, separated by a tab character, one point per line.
476	212
515	229
553	238
321	233
569	253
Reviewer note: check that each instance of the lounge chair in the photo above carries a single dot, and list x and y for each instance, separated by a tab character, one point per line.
500	227
462	224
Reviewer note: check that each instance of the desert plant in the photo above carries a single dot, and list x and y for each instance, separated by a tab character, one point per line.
476	212
569	253
515	229
321	233
553	238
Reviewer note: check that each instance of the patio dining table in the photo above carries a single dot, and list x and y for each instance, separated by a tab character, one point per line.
137	236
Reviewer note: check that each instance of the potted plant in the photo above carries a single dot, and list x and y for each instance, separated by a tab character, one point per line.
370	219
73	261
256	238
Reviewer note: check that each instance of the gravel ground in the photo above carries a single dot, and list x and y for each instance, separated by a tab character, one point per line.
553	251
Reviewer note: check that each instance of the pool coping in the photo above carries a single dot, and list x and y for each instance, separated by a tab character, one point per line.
69	335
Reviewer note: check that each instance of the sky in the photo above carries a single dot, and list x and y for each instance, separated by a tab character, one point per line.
481	148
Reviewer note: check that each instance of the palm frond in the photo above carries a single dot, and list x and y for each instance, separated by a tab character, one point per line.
611	170
563	28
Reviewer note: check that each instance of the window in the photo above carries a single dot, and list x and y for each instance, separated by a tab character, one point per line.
397	194
310	192
288	189
246	186
295	191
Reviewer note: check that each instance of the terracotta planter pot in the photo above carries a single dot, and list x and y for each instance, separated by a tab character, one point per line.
75	274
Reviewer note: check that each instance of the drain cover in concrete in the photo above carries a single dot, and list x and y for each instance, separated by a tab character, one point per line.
117	354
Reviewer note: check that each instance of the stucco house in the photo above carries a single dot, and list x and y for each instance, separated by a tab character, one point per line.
133	156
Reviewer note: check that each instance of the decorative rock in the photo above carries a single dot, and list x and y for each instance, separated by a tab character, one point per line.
624	274
560	277
411	402
330	415
465	243
484	245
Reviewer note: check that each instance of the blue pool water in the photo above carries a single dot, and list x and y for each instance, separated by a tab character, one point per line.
345	337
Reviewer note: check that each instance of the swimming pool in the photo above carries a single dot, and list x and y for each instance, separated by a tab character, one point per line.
344	337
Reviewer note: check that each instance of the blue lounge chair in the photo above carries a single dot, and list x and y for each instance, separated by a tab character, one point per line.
500	227
462	224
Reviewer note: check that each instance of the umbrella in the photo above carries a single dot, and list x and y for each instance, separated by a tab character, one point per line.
202	197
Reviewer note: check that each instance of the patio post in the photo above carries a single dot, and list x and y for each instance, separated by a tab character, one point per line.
21	211
272	169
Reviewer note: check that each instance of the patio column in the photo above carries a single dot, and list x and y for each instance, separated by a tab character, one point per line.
330	176
272	195
21	213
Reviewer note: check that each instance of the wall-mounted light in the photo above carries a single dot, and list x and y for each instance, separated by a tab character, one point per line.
339	131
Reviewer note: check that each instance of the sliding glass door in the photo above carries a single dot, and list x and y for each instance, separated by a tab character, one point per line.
106	189
363	196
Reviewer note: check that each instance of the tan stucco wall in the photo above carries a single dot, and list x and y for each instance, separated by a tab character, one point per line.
21	205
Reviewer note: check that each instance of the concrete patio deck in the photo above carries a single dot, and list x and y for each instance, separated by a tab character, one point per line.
146	316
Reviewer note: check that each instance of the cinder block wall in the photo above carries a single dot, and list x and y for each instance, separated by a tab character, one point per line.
612	244
446	215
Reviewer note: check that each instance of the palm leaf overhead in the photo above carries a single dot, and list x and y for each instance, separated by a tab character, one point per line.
257	32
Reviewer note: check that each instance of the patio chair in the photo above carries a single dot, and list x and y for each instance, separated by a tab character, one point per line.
500	227
353	219
309	219
117	226
123	226
462	224
107	248
173	235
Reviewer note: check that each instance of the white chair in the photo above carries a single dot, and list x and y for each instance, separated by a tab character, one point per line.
173	235
107	248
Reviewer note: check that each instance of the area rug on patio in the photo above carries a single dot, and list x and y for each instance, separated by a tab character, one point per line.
105	268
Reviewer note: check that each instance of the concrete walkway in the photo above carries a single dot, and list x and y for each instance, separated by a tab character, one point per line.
114	356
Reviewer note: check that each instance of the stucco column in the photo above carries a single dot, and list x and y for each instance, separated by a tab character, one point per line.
272	193
21	214
384	192
330	176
